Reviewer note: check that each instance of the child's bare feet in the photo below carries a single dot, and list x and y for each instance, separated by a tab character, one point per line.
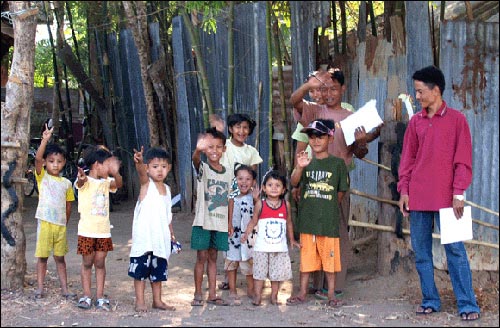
162	306
257	300
141	308
274	301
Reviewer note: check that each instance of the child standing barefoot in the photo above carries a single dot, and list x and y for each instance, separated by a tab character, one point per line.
241	211
152	231
273	217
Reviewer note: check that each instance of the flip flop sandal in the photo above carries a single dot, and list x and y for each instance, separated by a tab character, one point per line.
424	310
197	302
467	316
102	304
39	295
69	296
321	296
295	300
335	303
218	301
85	302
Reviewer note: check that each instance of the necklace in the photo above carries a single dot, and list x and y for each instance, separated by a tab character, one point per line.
274	205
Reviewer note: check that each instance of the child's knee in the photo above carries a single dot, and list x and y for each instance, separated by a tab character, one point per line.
59	260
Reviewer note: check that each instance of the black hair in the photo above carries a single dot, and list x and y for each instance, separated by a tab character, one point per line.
276	175
234	119
242	167
156	152
96	154
431	76
337	75
53	149
216	134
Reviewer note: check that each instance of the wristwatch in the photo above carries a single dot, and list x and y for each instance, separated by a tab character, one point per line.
459	197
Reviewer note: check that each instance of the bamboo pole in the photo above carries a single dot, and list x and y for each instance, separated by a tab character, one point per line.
466	201
354	223
481	207
395	203
377	164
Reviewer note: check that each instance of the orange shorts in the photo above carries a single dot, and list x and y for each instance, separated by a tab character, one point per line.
319	253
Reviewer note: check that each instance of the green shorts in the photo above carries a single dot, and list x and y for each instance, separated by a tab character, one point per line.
202	239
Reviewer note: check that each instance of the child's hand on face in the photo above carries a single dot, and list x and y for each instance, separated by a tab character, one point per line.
47	133
113	165
303	159
138	158
81	174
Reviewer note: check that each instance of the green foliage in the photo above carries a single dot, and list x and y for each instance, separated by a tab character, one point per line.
43	64
210	10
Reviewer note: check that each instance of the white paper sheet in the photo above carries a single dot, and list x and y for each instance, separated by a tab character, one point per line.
366	116
453	230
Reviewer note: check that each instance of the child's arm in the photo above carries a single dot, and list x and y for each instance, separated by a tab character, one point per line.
47	133
171	228
340	196
82	178
114	170
256	212
230	210
302	161
289	227
140	166
201	146
68	211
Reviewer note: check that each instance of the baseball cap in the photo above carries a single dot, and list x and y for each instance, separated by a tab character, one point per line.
319	127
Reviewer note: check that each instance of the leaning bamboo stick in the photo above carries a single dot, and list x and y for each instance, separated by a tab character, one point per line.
377	164
354	223
393	202
480	207
466	201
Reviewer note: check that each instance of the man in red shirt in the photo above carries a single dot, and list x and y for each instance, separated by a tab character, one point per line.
434	172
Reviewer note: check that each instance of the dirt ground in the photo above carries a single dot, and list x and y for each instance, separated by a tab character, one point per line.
370	299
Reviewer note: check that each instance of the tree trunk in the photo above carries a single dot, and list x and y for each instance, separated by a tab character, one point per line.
68	58
137	22
15	140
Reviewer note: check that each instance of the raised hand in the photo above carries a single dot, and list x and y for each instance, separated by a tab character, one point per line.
217	123
303	159
138	155
47	133
202	143
360	135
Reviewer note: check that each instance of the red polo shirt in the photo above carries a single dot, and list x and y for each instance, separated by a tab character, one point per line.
436	161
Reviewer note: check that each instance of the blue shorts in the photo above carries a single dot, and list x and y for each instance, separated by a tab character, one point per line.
148	266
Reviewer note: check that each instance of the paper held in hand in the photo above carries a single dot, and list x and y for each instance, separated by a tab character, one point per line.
366	116
453	230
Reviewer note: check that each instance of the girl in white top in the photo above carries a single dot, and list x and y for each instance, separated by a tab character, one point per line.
273	217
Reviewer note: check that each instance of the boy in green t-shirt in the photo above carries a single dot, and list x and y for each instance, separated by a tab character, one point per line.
323	180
